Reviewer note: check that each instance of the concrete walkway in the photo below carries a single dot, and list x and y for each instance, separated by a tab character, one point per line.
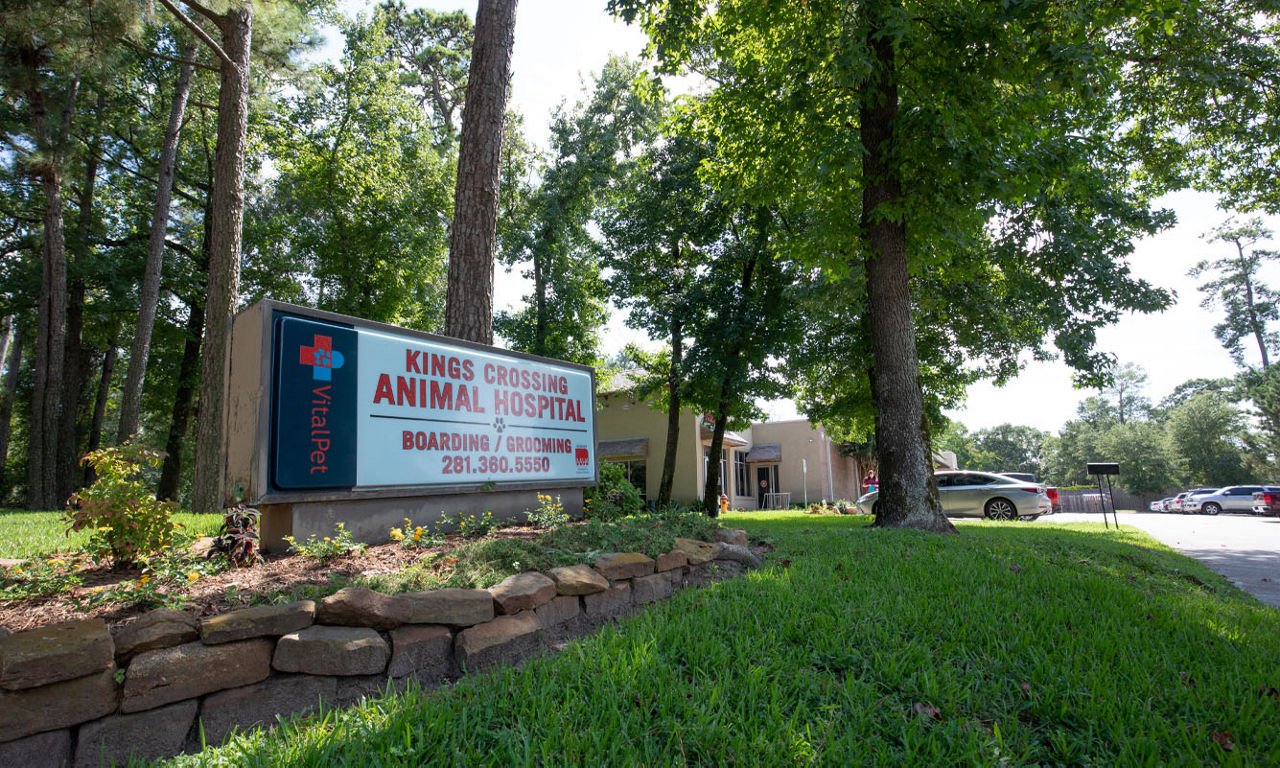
1242	548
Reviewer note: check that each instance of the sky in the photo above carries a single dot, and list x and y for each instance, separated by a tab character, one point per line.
558	43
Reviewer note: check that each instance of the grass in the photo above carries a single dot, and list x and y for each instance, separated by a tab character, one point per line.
25	534
1004	645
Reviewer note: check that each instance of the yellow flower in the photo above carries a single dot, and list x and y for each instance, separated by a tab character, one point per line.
193	575
326	538
142	582
397	534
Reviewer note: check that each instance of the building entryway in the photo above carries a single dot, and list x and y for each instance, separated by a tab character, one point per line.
766	483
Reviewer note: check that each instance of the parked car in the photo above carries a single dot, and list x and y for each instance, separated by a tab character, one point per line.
1267	500
982	494
1175	504
1160	505
1052	492
1233	498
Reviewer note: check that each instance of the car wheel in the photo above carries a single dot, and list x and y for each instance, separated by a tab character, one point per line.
1000	509
1211	508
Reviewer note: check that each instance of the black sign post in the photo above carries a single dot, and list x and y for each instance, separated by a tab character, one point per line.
1107	469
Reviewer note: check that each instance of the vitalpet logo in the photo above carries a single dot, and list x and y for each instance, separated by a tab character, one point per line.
581	456
321	357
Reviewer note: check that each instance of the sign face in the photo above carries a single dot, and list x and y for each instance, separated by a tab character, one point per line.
358	408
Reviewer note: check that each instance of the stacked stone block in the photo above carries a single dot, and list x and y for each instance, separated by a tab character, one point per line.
74	694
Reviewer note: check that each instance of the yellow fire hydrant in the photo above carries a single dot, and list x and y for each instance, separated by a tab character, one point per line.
724	503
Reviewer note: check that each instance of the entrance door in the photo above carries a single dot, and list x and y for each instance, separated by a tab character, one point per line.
766	482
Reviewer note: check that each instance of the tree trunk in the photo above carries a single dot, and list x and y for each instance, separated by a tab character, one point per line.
711	491
6	335
908	493
100	405
131	400
673	415
12	363
75	372
227	204
1255	323
540	300
183	406
46	395
469	297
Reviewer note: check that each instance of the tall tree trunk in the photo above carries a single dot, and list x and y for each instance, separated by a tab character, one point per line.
6	335
711	491
673	415
46	396
540	302
131	400
12	363
908	493
75	371
227	203
1255	323
469	297
100	404
183	406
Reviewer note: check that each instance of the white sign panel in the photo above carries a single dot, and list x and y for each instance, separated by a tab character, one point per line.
434	414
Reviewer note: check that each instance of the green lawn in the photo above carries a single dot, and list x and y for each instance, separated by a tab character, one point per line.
1009	644
25	534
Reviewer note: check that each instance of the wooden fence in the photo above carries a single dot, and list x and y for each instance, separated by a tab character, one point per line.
1089	502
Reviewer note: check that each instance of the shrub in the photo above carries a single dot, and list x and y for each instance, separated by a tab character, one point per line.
614	497
126	521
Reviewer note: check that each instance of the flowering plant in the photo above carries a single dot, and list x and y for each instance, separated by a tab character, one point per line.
414	536
550	512
327	548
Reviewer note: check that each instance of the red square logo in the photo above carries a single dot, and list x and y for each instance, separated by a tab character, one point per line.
582	456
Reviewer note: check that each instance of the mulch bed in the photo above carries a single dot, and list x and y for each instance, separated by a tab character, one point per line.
233	588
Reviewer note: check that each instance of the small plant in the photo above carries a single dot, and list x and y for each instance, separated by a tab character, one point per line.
327	548
163	576
414	536
470	526
237	539
549	514
37	578
126	520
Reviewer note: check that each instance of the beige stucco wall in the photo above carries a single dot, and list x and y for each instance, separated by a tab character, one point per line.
830	475
621	417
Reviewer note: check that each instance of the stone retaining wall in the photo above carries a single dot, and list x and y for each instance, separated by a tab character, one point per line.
79	694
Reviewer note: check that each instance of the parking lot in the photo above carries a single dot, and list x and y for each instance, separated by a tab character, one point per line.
1243	548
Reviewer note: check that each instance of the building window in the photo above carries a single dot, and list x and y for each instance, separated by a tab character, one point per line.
706	464
636	474
741	480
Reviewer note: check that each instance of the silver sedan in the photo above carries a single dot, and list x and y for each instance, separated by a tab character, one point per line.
982	494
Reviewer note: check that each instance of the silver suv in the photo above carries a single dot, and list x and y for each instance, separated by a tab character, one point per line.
1233	498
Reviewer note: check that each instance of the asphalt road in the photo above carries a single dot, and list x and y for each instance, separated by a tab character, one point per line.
1243	548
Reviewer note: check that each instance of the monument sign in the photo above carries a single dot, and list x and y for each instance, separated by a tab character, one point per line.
333	418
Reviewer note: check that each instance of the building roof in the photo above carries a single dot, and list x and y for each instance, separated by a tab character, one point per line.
631	446
765	452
